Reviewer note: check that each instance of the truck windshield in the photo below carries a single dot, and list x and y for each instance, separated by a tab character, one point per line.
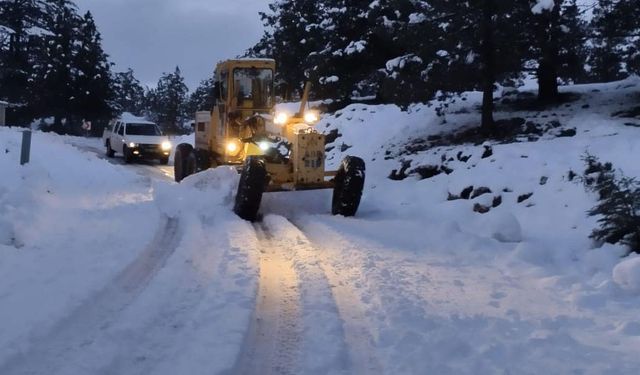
143	129
253	88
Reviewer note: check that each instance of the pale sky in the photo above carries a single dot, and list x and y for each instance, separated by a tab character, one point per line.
153	36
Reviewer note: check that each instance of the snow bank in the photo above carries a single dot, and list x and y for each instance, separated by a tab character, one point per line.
443	277
99	268
627	274
69	221
202	193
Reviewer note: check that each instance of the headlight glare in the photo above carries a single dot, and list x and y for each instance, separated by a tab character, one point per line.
311	117
233	147
281	118
166	146
264	146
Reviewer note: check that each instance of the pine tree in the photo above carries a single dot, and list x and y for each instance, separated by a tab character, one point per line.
613	22
481	46
22	25
55	75
409	38
558	33
92	84
202	99
129	95
168	102
294	33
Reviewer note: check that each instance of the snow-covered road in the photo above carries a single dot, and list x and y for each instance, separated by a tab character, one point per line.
148	168
108	268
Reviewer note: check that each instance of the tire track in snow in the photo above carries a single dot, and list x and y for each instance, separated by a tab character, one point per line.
61	347
362	358
274	336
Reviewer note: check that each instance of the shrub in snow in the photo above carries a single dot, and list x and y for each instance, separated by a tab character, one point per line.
627	274
618	204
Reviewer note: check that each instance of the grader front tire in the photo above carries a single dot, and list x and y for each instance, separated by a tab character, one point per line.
250	189
349	183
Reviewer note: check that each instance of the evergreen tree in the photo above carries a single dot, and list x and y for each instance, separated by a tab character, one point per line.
55	75
129	95
22	25
167	102
616	51
92	76
298	35
412	44
482	46
202	99
558	32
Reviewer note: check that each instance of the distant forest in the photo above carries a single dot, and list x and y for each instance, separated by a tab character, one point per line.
54	70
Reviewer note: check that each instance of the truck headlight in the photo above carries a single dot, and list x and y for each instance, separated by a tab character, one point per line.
281	118
132	145
166	146
311	117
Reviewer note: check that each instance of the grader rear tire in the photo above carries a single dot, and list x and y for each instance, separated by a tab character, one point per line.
250	189
184	163
349	183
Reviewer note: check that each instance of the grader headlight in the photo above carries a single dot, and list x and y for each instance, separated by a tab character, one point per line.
311	117
233	147
281	118
264	146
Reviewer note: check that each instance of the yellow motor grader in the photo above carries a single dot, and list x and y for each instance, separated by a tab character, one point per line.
273	151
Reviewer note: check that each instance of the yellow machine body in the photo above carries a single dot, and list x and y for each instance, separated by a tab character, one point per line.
245	108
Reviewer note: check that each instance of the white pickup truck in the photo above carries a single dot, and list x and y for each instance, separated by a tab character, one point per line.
136	138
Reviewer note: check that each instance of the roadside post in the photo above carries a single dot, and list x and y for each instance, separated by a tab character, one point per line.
26	147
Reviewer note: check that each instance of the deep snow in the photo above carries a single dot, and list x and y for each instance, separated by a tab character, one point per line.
415	283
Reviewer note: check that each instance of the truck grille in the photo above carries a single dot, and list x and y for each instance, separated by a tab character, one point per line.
149	148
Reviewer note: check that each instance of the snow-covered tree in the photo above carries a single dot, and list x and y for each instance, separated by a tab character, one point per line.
482	45
55	73
92	85
294	32
167	102
22	25
559	33
202	99
128	93
616	39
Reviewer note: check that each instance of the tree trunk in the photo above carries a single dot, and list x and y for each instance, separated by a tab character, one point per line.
547	81
548	64
488	72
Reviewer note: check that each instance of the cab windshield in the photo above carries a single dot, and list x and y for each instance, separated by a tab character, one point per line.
253	88
143	129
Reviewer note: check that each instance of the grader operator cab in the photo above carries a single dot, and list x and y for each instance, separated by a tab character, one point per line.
275	151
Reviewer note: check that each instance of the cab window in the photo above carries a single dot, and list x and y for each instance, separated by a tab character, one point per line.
253	87
224	84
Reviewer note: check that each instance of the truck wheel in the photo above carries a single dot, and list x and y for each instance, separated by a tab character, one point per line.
184	163
349	182
126	154
110	152
250	188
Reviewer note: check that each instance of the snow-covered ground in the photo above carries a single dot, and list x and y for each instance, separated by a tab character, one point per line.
107	268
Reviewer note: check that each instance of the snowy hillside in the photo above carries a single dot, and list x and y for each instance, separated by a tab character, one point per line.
472	259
